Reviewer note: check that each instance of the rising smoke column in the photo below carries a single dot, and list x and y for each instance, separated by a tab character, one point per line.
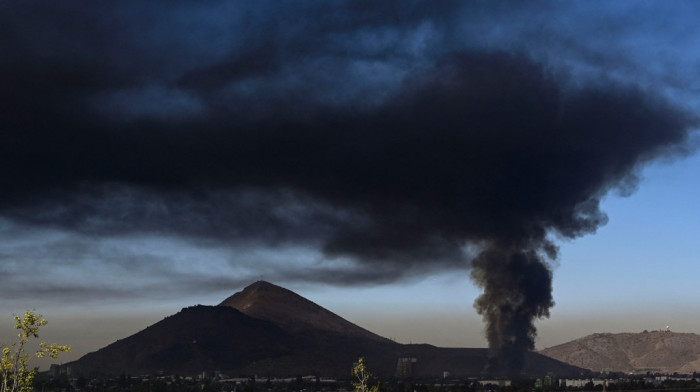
517	288
554	153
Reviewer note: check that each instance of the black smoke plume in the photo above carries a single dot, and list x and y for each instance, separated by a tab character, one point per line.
517	290
297	134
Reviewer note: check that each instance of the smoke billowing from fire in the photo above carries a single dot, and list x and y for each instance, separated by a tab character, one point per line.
398	163
517	290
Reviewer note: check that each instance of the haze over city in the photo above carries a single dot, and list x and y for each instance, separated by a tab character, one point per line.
369	156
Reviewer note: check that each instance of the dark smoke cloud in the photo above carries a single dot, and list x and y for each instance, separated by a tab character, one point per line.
328	126
517	290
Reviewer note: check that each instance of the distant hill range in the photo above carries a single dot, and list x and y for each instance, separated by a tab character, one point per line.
657	351
267	330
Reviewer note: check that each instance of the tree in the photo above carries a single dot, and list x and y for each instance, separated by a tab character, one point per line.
14	372
362	377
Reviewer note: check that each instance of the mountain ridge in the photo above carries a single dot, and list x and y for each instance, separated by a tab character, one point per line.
630	352
276	332
262	300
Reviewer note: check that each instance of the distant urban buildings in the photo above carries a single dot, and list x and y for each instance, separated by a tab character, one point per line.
404	367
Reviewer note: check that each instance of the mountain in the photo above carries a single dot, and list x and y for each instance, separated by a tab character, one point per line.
196	338
267	330
294	313
656	351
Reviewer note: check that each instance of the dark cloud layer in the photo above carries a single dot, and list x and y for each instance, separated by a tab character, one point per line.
356	129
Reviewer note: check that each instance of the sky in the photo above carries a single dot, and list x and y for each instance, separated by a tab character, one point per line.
412	166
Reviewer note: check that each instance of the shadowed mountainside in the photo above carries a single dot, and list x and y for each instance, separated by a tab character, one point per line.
656	351
292	312
267	330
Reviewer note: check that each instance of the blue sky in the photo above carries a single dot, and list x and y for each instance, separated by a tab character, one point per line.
155	163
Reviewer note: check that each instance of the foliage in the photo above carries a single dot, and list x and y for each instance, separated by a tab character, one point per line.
14	372
362	377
